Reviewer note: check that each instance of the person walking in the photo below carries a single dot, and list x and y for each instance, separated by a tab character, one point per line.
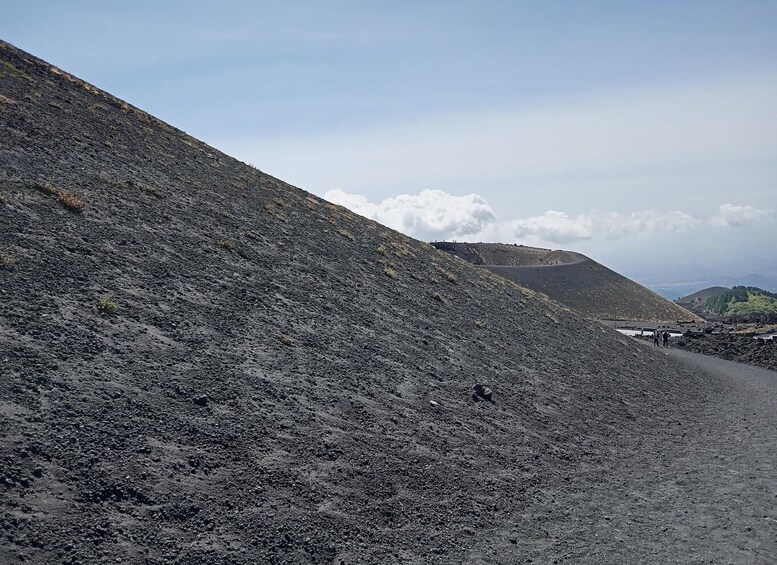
655	338
666	339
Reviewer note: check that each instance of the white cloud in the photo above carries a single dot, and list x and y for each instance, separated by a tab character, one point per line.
732	215
554	226
429	215
437	215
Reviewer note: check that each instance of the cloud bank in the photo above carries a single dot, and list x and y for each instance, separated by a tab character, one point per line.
437	215
429	215
731	215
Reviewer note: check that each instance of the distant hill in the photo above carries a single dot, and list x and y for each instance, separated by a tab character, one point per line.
742	301
573	280
701	295
722	302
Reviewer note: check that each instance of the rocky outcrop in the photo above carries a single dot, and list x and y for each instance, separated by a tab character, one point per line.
733	347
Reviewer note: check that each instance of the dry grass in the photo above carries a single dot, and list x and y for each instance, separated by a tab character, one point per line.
448	275
150	189
438	297
480	324
287	340
2	199
46	187
390	271
346	234
227	244
64	197
70	201
6	261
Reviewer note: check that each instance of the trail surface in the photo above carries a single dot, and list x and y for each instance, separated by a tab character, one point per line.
704	492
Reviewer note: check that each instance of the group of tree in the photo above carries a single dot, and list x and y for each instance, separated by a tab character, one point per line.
742	300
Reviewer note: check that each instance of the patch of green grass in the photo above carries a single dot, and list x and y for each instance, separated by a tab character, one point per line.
107	304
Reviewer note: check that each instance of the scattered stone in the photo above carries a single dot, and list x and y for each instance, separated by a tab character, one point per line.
201	400
433	403
483	392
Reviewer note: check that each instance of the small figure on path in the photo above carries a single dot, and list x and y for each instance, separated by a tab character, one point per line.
655	338
666	339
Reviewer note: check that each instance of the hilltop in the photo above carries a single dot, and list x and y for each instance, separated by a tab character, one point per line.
736	302
572	279
203	364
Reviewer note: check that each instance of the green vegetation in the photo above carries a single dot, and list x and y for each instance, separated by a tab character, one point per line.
742	300
107	304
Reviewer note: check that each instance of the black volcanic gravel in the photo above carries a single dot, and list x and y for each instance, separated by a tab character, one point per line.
283	381
733	347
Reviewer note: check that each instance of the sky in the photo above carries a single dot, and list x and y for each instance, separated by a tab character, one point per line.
643	134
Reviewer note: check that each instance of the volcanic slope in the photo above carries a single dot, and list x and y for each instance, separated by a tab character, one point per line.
573	280
203	364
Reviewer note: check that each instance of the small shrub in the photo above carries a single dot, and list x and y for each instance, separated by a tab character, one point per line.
6	261
438	297
227	244
390	271
107	304
381	249
70	200
480	324
287	340
2	199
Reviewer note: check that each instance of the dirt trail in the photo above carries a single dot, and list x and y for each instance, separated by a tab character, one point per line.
699	487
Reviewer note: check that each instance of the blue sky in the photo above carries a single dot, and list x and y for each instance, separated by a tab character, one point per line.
641	133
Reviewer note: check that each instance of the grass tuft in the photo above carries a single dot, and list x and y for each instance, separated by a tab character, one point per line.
6	261
287	340
390	271
107	304
70	201
346	234
438	297
227	244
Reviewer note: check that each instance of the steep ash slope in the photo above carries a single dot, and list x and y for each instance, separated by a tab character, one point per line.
573	280
282	381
